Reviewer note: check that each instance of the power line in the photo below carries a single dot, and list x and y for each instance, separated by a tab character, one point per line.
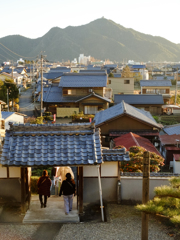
16	53
8	53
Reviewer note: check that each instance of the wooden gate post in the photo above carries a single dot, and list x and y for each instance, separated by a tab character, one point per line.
145	195
23	191
80	190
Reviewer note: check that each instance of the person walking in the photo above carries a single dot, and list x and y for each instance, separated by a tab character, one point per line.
68	189
44	184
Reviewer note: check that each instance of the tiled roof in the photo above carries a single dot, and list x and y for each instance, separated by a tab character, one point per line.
83	80
95	95
121	109
60	69
115	155
117	75
110	66
169	139
138	66
130	139
52	75
155	83
138	99
51	144
6	114
93	70
172	129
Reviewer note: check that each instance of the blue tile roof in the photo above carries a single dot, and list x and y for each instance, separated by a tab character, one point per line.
93	71
139	99
110	155
155	83
74	80
172	129
117	75
138	66
6	114
124	108
52	145
52	75
61	69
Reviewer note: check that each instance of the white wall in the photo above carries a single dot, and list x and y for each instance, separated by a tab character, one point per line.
14	118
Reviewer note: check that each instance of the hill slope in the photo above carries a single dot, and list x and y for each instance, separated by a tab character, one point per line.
101	39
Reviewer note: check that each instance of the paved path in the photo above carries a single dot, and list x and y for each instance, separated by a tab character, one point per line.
25	102
54	212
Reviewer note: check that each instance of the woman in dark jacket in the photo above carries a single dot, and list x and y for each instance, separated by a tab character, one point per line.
44	184
68	189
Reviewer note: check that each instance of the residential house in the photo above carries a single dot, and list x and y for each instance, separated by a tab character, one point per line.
123	118
157	87
131	139
169	145
12	117
151	103
78	92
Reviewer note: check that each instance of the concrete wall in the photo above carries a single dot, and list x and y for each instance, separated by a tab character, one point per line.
118	86
63	112
131	188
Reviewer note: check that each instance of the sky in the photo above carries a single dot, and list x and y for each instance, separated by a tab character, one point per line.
35	18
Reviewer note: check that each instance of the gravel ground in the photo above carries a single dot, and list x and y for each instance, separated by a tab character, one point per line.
125	224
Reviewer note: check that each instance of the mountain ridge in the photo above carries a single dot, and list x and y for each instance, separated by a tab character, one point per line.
101	38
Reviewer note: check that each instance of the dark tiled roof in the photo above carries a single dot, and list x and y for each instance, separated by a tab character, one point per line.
138	66
155	83
61	69
110	155
124	108
138	99
83	80
117	75
52	75
93	70
52	144
172	129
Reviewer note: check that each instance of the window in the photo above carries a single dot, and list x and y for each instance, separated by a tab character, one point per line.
69	92
126	81
90	109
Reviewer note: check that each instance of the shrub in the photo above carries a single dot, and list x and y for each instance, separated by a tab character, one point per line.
34	187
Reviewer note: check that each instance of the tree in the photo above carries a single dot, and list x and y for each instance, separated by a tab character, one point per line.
166	202
136	163
13	91
111	74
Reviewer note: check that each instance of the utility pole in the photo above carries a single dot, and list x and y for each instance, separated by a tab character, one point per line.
41	84
8	99
176	88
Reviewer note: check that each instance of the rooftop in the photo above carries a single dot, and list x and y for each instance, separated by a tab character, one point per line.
138	99
75	80
155	83
121	109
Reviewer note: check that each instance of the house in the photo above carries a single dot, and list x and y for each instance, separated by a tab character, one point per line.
75	145
121	85
12	117
157	87
131	139
151	103
123	118
78	92
169	145
172	129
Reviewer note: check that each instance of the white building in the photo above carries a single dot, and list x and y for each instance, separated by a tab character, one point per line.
83	59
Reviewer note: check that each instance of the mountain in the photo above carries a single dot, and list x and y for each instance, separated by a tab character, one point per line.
102	39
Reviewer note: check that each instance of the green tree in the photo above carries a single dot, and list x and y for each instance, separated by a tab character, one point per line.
13	92
111	75
136	163
166	202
